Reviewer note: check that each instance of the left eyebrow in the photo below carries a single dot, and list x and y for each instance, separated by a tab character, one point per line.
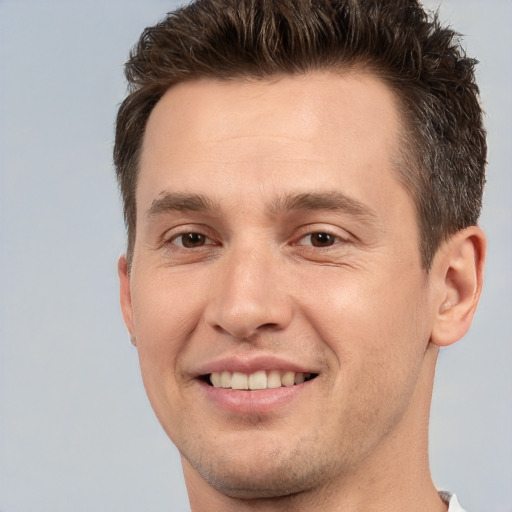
334	200
180	202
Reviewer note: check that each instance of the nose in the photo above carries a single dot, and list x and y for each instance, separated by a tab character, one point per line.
249	294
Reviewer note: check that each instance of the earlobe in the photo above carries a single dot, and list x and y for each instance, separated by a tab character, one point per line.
125	296
458	268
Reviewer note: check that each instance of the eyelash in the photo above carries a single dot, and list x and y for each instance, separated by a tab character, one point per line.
335	239
171	240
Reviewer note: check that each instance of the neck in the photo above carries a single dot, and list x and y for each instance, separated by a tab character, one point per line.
395	477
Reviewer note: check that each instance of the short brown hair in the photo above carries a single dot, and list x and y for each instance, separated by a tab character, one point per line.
443	157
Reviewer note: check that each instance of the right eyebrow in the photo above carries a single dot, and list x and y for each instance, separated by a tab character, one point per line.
168	202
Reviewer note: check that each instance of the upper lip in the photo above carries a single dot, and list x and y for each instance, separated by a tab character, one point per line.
249	365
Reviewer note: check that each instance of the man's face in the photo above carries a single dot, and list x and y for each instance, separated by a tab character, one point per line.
274	244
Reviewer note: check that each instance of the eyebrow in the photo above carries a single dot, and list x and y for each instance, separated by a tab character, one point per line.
332	200
168	202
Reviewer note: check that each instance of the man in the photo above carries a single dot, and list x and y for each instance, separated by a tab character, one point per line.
301	182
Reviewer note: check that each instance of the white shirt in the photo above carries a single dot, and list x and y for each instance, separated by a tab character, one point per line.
451	499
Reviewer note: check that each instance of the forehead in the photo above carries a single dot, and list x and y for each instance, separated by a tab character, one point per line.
316	104
288	131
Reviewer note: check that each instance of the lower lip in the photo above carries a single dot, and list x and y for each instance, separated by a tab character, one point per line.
254	402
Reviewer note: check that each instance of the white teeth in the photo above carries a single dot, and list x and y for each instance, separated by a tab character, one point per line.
239	381
257	380
288	379
215	378
274	379
298	378
225	380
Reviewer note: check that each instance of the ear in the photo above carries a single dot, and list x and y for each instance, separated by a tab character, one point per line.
126	296
458	269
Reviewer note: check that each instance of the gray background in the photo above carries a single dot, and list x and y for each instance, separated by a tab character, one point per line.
76	430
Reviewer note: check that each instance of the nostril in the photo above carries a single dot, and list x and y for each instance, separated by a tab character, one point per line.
269	326
246	334
264	328
241	315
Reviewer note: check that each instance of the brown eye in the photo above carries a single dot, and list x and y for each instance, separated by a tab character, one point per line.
191	240
322	239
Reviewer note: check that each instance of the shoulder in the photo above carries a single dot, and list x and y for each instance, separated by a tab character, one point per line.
451	500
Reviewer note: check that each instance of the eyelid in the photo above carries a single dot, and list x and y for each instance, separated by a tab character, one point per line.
305	231
337	240
179	236
178	231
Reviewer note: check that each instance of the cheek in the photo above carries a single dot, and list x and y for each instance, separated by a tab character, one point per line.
164	306
165	315
166	312
377	325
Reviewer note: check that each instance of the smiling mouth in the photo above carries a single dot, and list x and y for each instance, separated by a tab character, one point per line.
258	380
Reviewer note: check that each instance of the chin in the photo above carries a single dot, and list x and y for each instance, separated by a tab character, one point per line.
255	483
265	474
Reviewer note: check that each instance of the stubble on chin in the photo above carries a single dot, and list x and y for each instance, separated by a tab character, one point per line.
267	474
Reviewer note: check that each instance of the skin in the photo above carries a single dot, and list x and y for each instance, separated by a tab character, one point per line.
332	284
